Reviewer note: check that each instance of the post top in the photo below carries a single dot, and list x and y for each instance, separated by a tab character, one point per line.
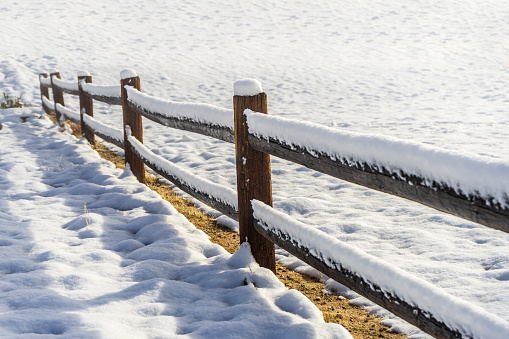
247	87
43	73
128	73
83	74
53	71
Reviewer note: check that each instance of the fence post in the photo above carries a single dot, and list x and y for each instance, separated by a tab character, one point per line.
253	171
86	106
132	119
58	95
44	90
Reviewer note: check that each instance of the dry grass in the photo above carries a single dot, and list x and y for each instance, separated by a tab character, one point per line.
335	309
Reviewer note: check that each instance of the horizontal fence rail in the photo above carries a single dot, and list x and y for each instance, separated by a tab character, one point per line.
107	94
254	182
214	131
223	199
438	196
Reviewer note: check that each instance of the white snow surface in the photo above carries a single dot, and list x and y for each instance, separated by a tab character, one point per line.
103	128
247	87
198	112
434	72
469	320
83	73
48	102
88	252
467	173
112	91
72	115
70	85
45	81
218	192
128	73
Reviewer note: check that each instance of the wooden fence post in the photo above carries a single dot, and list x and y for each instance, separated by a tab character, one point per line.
253	171
86	106
58	95
44	89
132	119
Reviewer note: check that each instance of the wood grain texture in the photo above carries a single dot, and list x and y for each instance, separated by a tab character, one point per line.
253	179
134	121
66	90
86	107
58	95
102	98
214	131
44	89
437	196
412	314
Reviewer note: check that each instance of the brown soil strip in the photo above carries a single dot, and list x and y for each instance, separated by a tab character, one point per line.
335	309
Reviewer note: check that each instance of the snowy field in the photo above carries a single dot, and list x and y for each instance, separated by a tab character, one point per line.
88	252
428	71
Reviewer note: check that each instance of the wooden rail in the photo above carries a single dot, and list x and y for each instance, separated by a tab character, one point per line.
438	196
254	182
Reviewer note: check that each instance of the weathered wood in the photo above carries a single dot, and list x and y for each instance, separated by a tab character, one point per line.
392	303
102	98
86	107
66	90
44	89
214	131
105	137
203	197
68	116
253	179
437	196
134	121
48	109
58	95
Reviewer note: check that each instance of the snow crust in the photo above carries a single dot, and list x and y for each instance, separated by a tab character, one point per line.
73	85
105	129
247	87
47	102
113	91
218	192
45	81
471	174
87	251
470	320
72	115
198	112
83	73
128	73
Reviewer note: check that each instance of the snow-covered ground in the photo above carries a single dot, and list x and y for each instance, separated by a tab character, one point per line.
429	71
88	252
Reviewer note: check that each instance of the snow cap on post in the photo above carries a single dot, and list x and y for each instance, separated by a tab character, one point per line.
247	87
83	74
128	73
53	71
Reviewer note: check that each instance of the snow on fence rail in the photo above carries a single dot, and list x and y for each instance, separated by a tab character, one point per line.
472	188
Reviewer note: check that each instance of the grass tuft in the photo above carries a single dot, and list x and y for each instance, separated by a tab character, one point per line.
13	102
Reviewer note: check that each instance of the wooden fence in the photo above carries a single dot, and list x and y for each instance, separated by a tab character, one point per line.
254	179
